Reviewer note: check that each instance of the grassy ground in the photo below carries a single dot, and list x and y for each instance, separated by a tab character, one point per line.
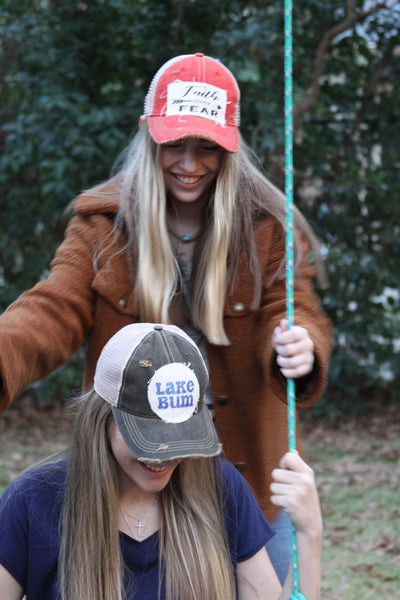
357	465
28	433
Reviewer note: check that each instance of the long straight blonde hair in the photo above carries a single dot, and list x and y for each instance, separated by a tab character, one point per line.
241	197
194	555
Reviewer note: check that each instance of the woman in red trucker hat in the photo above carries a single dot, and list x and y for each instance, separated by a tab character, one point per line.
190	232
142	507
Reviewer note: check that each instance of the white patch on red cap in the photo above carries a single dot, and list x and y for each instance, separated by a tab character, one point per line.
196	99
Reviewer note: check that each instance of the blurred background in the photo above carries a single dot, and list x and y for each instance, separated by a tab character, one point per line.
73	76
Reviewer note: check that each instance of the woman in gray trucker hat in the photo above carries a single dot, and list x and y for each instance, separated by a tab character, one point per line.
143	507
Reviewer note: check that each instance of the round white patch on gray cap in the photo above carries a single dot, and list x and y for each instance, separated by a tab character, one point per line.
174	393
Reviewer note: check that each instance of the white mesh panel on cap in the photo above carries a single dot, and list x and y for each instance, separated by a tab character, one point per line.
113	359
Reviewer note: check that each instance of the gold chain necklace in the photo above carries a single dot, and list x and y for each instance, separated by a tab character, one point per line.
141	524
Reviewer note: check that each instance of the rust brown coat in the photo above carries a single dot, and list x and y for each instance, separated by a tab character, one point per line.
47	324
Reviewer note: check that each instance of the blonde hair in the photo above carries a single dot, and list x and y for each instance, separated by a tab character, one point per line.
193	543
242	195
90	564
194	555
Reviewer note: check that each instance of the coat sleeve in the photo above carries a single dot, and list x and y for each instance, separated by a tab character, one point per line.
307	314
42	328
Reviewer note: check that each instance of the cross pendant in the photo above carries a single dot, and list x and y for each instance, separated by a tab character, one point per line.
139	527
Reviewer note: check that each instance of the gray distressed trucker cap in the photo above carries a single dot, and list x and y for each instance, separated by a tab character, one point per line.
155	379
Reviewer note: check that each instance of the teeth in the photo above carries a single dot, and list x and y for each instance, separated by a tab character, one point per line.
187	179
153	468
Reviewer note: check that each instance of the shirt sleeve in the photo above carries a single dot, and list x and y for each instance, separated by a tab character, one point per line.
42	328
14	531
247	528
29	525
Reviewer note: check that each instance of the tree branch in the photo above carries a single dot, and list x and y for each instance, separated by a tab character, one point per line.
352	17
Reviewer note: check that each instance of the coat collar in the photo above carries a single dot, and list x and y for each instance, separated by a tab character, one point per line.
102	199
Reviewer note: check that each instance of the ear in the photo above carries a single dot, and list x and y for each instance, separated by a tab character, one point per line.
142	120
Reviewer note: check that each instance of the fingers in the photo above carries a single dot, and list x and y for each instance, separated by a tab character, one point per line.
294	349
292	461
294	490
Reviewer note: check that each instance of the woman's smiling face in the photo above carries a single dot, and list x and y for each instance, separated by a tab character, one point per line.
190	167
149	477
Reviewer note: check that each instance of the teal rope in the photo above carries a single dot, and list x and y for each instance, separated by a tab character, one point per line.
291	396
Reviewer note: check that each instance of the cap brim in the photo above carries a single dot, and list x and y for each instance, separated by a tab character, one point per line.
154	440
169	129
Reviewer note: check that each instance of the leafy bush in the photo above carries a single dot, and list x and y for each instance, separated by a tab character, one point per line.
73	78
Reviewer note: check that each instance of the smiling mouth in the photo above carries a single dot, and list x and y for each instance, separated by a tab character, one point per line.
188	180
160	467
155	468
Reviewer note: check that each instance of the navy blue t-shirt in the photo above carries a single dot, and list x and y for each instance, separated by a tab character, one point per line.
29	526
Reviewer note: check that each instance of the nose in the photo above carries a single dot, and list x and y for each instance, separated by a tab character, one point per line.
189	158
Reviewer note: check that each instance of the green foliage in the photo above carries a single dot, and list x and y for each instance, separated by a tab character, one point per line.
72	82
357	214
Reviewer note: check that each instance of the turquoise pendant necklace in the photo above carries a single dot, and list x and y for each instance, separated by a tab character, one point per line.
186	238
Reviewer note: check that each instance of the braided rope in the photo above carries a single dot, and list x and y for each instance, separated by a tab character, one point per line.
291	396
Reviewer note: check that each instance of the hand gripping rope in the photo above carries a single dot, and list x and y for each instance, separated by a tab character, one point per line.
291	396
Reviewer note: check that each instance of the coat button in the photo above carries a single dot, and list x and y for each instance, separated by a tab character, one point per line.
122	302
238	307
222	400
241	466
